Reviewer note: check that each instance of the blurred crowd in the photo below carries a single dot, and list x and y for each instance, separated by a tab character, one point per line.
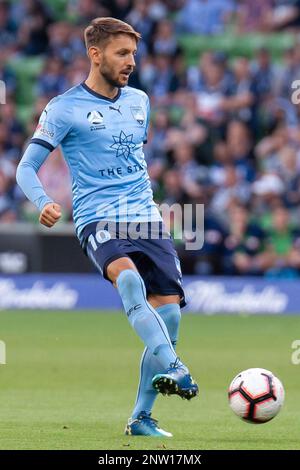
224	131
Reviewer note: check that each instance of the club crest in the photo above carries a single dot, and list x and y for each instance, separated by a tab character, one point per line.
138	114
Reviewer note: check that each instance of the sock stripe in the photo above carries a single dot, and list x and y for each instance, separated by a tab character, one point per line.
141	373
157	319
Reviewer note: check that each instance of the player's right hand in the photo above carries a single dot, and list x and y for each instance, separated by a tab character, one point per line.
50	214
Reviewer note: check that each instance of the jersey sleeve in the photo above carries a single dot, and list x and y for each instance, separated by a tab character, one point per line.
54	124
147	120
27	178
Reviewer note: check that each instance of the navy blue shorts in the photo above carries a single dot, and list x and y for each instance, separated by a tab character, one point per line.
155	257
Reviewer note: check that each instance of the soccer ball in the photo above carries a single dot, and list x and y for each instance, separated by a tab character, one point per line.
256	395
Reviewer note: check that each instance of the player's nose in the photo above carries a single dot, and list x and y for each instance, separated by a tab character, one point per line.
131	61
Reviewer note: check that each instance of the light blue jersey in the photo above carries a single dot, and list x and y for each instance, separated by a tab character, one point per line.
102	143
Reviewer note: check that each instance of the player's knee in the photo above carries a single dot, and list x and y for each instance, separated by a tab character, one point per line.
174	316
115	268
171	315
129	282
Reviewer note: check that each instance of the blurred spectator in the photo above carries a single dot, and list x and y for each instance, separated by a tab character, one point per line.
86	10
164	79
221	159
173	189
156	145
13	129
192	175
244	244
159	9
119	8
7	75
7	26
268	193
283	246
232	188
33	32
264	75
187	129
7	212
195	73
64	43
214	87
288	168
267	148
208	260
285	14
7	164
165	41
205	16
251	15
52	80
240	149
78	72
140	19
241	103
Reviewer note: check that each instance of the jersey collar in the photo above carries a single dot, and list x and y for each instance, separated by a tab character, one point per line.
102	97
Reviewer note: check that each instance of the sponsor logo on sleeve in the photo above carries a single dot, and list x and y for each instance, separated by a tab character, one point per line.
43	131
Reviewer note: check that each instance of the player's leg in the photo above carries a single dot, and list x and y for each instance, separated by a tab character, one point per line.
145	426
160	268
141	315
169	310
141	422
168	307
109	255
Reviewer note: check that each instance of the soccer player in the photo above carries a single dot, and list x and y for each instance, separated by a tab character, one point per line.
101	125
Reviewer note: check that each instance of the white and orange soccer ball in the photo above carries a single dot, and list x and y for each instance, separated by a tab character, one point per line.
256	395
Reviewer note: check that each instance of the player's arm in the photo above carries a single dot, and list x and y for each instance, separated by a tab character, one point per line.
54	124
27	179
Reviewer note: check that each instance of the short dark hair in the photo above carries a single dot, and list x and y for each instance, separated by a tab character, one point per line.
101	29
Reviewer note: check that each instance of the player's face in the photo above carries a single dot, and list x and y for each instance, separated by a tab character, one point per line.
117	60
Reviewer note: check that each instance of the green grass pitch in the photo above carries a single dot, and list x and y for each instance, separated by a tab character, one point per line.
70	382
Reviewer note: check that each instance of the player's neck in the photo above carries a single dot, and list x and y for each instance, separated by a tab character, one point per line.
101	86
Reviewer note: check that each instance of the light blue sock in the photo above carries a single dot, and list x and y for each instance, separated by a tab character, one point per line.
146	395
143	318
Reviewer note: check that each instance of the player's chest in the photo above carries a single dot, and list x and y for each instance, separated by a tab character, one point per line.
107	122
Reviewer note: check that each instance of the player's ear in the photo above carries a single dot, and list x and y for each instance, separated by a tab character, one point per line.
95	54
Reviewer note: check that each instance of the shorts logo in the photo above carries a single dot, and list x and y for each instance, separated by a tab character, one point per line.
138	114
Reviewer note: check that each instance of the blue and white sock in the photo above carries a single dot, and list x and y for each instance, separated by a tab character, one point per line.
146	395
144	319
